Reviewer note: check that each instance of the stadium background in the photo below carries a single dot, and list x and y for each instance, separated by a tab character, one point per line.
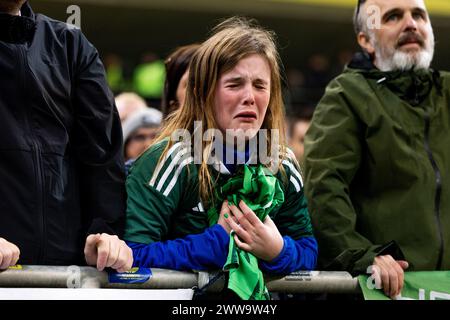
315	37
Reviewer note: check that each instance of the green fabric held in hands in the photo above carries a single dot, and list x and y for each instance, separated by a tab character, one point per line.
245	278
261	192
256	186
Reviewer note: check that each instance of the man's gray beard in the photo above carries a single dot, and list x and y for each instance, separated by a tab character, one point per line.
389	59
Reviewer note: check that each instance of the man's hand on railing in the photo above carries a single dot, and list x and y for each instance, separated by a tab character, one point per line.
390	274
9	254
104	250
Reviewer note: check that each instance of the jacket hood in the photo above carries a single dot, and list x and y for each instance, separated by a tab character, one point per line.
412	86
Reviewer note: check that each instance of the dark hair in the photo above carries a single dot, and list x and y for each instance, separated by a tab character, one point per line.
357	23
176	65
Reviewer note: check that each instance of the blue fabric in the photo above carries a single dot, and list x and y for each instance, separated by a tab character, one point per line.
209	250
204	251
238	156
296	255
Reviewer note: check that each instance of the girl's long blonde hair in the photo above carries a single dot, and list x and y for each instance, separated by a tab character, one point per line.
231	41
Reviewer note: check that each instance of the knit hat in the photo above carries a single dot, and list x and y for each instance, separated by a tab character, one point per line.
149	117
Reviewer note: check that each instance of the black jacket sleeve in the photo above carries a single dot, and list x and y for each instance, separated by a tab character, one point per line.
97	139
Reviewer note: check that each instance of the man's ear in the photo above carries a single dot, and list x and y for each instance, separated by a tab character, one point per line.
364	42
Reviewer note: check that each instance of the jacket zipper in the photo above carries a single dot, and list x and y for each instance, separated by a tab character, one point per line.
37	161
437	198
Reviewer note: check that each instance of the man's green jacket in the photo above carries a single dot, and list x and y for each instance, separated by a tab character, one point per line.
377	164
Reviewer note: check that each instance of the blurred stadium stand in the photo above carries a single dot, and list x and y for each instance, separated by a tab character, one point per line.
305	29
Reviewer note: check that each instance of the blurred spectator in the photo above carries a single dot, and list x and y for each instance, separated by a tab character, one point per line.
317	77
139	131
148	78
295	95
298	124
343	58
114	72
177	65
127	103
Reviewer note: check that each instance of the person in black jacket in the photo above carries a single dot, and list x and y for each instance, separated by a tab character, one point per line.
61	167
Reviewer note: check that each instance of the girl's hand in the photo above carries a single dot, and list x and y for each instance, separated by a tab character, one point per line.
259	238
224	211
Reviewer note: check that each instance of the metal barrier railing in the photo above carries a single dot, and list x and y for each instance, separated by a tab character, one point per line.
89	277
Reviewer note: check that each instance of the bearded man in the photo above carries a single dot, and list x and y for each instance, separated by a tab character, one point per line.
377	154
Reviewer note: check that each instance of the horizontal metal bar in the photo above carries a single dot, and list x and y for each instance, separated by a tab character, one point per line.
297	282
315	282
89	277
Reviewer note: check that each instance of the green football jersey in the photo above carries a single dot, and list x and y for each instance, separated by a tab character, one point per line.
164	204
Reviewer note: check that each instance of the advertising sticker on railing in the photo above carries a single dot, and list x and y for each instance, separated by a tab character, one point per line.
135	275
